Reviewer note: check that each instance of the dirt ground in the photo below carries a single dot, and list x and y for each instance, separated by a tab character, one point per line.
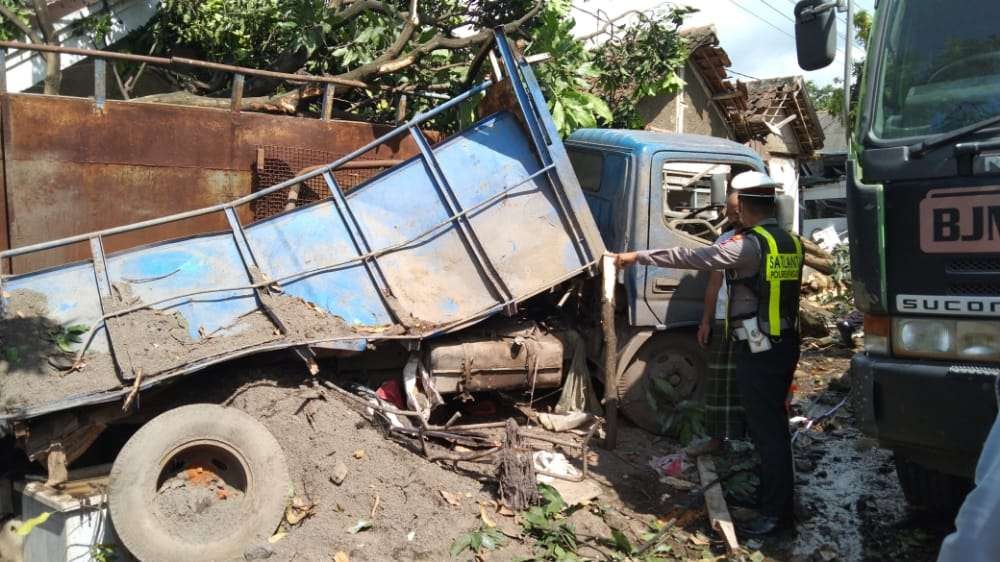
850	505
394	505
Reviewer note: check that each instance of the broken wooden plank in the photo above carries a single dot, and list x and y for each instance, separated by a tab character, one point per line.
718	511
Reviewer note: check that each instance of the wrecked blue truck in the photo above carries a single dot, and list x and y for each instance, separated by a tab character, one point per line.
475	262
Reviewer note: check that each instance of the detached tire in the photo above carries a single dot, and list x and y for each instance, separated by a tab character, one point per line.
929	489
198	483
667	369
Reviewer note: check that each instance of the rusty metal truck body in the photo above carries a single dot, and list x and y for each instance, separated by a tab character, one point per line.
433	244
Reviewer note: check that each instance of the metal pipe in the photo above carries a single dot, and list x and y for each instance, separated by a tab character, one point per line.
417	119
367	164
848	67
100	82
84	52
236	97
163	61
327	111
267	73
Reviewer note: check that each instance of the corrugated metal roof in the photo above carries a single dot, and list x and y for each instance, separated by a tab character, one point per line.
652	141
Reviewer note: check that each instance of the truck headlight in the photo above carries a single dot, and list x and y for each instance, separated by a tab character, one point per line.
946	339
978	340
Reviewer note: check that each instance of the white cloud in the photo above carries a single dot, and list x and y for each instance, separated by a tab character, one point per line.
753	43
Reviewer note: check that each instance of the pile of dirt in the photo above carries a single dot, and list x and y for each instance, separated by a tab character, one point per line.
33	367
402	495
198	508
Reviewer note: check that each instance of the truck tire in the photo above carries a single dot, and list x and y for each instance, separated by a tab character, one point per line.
929	489
199	482
667	369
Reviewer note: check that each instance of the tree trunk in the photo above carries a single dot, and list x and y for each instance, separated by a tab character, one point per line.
53	69
53	73
811	247
813	320
822	265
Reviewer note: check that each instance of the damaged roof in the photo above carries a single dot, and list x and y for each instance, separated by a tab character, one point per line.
774	101
711	61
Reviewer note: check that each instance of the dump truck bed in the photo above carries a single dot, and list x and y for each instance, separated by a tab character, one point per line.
471	227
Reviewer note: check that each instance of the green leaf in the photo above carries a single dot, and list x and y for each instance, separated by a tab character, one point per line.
462	543
621	542
12	355
757	556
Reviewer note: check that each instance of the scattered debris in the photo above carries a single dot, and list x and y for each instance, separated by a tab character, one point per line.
452	499
670	465
677	483
341	556
515	471
718	511
361	525
339	473
257	553
297	510
277	537
359	454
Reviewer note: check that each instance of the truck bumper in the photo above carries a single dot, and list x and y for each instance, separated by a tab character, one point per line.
935	413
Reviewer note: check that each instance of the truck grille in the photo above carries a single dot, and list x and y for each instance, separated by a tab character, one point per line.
974	265
974	289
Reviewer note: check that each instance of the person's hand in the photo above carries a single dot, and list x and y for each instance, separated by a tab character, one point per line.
626	259
704	333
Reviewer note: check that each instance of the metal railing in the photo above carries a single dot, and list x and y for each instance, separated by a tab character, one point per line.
239	72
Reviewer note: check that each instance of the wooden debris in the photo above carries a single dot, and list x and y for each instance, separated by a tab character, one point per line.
516	471
718	511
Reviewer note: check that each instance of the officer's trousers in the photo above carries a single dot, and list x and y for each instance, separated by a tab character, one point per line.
763	380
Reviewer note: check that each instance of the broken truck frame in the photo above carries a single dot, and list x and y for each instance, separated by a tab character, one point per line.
359	268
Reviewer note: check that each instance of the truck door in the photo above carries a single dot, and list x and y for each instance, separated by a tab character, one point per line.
679	194
603	176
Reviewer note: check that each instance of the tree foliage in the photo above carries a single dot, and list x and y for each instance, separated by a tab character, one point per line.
642	62
396	52
398	48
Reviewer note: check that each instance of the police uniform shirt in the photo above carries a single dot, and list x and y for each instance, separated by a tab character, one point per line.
740	253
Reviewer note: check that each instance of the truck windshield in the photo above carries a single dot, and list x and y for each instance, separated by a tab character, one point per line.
940	67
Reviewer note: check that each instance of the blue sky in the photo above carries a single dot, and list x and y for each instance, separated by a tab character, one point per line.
758	35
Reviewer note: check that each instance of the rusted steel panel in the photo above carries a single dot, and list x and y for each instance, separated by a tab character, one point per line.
71	168
53	198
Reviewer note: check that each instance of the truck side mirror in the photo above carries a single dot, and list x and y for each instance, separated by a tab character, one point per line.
815	33
719	190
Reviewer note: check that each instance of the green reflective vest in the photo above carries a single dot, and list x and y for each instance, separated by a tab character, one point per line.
778	281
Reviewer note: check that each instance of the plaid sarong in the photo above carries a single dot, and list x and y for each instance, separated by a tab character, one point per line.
724	415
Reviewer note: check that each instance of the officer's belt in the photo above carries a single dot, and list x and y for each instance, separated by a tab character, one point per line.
740	333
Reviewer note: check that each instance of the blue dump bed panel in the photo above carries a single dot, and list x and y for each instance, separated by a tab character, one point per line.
469	228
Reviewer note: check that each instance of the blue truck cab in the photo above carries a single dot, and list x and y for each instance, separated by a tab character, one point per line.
652	190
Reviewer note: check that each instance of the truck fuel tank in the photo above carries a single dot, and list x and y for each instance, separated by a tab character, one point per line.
504	355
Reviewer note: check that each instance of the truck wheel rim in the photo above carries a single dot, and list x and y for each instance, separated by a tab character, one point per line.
199	484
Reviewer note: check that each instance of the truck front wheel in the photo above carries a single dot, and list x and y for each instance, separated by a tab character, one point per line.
929	489
199	482
666	373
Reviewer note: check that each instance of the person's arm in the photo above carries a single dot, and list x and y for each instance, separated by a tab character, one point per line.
711	298
737	252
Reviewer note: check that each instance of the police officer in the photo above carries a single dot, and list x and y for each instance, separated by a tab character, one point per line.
763	265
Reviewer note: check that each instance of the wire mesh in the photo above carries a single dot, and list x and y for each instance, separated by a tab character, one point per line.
282	163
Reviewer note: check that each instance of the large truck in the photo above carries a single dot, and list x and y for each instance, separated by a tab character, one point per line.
472	266
923	206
